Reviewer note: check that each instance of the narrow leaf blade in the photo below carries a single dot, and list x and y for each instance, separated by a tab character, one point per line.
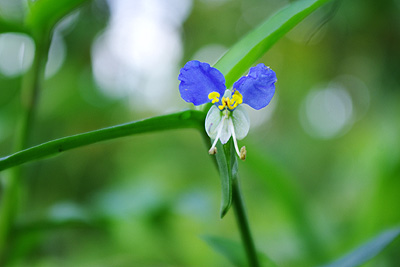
367	251
249	49
179	120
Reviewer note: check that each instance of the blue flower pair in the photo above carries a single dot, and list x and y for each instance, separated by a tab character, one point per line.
201	84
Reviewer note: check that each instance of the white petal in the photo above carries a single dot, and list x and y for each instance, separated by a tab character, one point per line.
228	93
241	122
225	132
213	118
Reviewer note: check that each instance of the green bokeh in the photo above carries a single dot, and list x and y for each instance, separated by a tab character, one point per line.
146	200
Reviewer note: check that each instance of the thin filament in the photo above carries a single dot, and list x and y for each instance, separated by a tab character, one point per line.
220	125
232	129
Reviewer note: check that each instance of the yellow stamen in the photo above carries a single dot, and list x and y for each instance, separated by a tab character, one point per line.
238	98
224	100
214	96
231	103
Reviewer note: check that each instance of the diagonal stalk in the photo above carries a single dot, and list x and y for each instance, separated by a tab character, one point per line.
243	223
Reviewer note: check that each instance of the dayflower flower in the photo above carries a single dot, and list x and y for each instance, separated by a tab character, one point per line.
200	84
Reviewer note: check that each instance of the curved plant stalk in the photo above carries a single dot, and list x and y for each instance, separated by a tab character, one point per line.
184	119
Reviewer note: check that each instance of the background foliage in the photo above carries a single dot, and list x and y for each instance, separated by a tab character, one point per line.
323	161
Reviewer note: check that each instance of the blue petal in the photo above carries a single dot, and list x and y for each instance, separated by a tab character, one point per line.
198	80
257	88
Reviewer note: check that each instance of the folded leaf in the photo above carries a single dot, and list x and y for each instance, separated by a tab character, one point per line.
227	164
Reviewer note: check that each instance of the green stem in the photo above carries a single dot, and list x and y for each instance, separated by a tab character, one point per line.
11	182
243	223
184	119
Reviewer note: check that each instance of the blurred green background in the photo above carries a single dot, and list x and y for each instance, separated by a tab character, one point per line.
323	167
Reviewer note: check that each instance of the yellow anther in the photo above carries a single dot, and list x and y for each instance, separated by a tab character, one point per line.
237	97
236	100
214	96
231	103
224	100
243	153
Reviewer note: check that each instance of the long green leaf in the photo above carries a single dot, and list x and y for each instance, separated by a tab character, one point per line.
367	251
44	14
234	251
254	45
184	119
